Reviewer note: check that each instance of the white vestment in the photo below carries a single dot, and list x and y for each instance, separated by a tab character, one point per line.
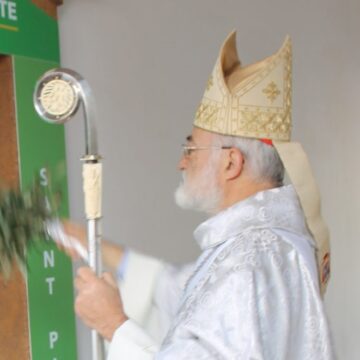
252	295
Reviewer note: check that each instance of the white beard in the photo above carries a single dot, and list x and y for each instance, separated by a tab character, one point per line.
201	193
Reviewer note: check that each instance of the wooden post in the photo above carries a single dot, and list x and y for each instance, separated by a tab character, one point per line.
14	333
49	6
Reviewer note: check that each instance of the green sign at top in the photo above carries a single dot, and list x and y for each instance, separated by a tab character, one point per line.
27	30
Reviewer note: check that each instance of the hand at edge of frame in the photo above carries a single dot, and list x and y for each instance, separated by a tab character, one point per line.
98	302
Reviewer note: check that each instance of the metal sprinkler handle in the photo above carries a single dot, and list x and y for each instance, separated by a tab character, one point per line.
57	97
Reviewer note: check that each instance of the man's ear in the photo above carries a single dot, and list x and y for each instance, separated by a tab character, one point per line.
234	164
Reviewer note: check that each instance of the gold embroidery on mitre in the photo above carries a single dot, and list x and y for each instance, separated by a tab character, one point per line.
235	104
271	91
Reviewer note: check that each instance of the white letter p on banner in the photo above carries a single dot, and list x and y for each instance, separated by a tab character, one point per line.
53	338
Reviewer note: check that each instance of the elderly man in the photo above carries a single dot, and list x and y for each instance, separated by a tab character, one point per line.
255	291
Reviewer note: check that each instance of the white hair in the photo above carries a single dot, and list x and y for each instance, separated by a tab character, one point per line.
262	160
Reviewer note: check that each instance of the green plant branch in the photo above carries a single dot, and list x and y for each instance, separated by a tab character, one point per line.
22	218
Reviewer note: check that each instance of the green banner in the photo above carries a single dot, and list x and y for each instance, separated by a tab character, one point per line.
27	30
50	289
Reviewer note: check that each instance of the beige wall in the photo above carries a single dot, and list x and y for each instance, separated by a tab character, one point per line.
148	62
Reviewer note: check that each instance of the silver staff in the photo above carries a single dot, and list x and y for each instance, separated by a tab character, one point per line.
57	97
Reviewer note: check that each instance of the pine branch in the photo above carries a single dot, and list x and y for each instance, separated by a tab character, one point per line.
22	218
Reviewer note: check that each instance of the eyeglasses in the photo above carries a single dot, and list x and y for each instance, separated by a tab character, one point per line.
188	149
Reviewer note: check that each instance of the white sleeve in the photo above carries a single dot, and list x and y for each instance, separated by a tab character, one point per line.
137	288
130	341
151	291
